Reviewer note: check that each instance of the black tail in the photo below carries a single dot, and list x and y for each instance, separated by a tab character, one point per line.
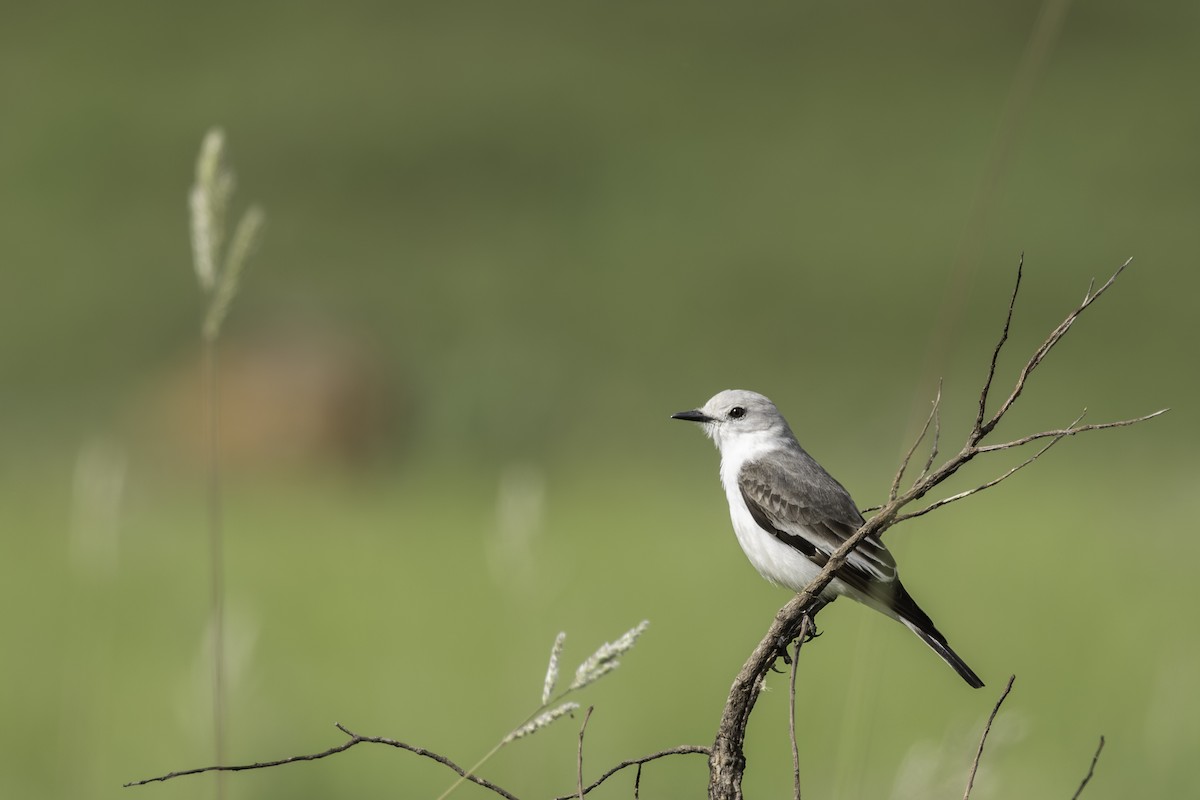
919	623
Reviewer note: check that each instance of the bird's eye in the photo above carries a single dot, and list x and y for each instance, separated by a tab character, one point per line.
737	412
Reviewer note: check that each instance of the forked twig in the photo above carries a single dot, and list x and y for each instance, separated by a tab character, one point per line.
983	739
685	749
989	484
1055	336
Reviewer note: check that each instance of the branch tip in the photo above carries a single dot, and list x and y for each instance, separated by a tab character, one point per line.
983	739
1091	771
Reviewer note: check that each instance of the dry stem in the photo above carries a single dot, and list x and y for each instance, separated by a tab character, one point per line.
579	753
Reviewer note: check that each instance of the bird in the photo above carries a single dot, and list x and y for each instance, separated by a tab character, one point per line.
790	515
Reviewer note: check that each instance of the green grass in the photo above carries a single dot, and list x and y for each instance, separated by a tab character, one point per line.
374	606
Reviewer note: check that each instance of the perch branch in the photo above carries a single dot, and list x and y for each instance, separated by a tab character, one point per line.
983	739
727	762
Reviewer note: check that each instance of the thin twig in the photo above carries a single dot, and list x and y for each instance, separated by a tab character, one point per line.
1055	437
920	437
637	782
685	749
579	755
805	627
1055	336
983	739
1069	431
355	739
987	384
937	433
989	484
1091	771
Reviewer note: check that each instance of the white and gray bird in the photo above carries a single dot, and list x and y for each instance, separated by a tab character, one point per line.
790	515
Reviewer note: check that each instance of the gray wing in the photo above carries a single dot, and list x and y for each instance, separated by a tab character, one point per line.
792	497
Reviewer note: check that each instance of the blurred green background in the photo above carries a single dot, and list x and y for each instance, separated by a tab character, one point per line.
504	243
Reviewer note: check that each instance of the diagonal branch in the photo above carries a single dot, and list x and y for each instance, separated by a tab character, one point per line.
355	739
933	415
989	484
983	739
1091	771
1070	431
937	433
987	384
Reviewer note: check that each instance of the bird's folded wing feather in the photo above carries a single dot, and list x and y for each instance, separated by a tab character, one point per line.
792	497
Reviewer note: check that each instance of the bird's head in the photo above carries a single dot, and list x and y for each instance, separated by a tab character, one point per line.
738	416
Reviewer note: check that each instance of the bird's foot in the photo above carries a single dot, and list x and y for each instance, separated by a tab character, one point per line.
804	631
781	651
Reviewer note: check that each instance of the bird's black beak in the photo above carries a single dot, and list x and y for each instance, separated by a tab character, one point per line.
695	415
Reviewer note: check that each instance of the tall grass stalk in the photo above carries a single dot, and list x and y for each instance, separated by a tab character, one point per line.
218	270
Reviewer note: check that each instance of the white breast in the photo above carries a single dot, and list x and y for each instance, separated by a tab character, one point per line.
779	563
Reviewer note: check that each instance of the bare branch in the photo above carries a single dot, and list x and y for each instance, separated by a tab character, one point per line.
987	384
685	749
955	497
1055	437
937	433
1091	771
983	739
920	437
258	765
355	739
1055	336
1069	431
579	754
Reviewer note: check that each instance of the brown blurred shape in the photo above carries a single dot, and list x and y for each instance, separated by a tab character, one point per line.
291	394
